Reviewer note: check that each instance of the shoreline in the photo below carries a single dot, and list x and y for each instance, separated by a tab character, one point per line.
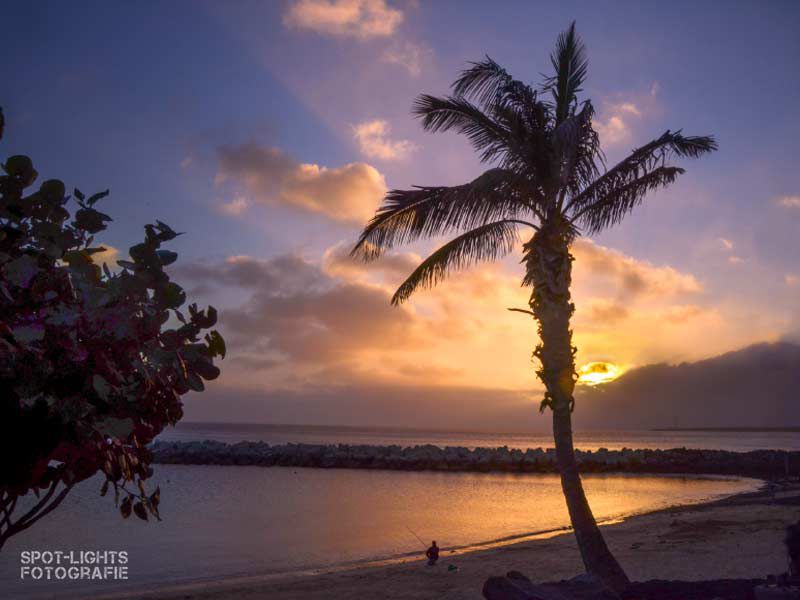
367	577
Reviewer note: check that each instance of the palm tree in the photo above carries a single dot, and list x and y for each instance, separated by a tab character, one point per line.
546	176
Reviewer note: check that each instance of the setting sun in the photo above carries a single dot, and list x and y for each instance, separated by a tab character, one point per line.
595	373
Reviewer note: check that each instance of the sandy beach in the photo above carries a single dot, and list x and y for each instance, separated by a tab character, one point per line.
738	537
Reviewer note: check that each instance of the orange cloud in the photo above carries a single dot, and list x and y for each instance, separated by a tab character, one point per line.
393	267
350	193
630	278
109	256
615	120
792	202
300	323
235	208
374	142
345	18
603	310
408	55
682	313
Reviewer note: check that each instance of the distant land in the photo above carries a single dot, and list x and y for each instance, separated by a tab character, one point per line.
732	429
756	388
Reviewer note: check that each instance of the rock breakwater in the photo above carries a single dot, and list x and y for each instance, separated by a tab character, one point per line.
758	463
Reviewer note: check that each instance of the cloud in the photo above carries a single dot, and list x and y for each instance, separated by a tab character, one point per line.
312	322
605	311
393	267
235	208
311	329
283	272
631	278
374	404
344	18
408	55
299	325
792	202
615	120
373	141
727	246
108	256
681	313
265	175
333	325
333	319
613	130
791	280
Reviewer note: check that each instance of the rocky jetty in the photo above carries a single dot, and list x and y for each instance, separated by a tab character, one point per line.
760	463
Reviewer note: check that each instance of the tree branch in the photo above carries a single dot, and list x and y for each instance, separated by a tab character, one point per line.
31	517
39	504
8	508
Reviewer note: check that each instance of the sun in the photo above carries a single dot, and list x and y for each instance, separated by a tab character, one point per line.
596	373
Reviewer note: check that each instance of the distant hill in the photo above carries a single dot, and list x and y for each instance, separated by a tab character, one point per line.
757	386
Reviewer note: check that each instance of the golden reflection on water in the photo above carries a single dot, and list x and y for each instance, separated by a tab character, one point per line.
224	521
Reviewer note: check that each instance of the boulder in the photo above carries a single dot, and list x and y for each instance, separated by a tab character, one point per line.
516	586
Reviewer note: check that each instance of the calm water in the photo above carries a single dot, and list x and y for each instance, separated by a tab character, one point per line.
228	521
590	440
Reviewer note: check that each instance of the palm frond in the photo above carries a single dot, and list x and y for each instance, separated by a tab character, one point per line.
577	150
487	136
490	85
639	163
487	242
619	201
527	147
570	65
407	215
482	81
502	117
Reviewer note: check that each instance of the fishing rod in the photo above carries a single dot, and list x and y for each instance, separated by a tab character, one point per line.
424	545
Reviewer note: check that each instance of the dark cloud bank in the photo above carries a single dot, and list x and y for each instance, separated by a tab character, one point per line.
758	386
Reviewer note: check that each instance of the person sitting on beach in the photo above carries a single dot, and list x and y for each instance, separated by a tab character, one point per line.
432	553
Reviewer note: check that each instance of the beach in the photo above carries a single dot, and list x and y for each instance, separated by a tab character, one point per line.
738	537
257	531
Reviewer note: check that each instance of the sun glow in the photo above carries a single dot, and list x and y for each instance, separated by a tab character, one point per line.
596	373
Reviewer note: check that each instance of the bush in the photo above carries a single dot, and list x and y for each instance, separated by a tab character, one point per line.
93	362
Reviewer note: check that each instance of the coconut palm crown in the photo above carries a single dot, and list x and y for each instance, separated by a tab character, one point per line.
547	176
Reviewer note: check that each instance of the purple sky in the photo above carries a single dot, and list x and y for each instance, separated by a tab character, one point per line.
269	132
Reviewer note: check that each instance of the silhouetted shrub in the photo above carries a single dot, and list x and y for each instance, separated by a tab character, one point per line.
93	361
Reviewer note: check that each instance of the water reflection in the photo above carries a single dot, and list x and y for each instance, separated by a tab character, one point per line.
222	521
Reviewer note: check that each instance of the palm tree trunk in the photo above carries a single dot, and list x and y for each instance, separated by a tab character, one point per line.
549	268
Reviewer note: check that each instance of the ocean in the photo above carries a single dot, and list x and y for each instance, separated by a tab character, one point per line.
736	441
231	521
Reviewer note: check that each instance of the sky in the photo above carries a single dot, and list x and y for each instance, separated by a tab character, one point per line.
270	131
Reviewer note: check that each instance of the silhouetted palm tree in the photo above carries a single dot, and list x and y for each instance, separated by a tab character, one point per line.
546	176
